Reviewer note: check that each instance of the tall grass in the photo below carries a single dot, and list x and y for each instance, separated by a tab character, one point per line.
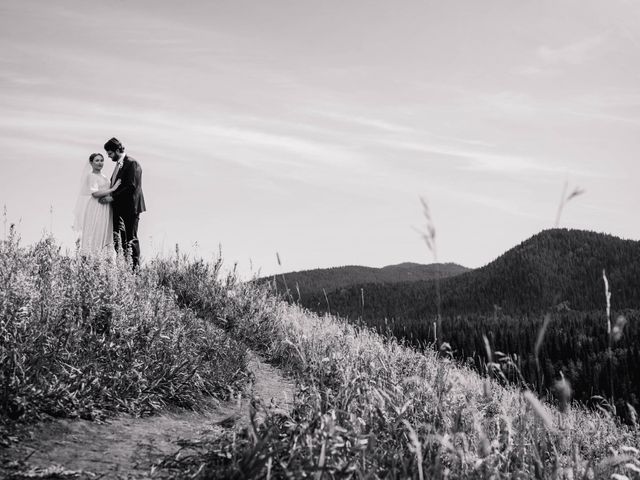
83	336
371	407
246	311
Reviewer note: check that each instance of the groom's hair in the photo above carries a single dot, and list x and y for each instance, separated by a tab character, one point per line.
114	145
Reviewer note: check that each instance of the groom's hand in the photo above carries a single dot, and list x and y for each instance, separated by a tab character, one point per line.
106	199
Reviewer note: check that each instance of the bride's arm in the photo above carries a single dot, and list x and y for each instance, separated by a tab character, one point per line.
108	191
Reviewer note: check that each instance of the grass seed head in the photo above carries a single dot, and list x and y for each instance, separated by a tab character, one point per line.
563	392
618	328
539	409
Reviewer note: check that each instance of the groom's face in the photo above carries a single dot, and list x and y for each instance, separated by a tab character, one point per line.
114	156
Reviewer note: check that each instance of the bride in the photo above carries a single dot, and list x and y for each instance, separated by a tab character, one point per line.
92	218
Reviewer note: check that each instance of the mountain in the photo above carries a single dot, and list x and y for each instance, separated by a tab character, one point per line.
556	268
310	282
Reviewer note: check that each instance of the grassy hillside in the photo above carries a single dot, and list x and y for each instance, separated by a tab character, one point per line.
559	272
371	407
84	335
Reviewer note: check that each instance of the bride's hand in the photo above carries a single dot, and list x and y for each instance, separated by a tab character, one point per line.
117	184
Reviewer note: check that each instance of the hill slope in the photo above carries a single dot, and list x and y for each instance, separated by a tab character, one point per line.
555	268
311	282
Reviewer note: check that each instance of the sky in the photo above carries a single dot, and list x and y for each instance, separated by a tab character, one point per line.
313	129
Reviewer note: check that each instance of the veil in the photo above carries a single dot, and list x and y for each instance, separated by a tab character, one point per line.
84	195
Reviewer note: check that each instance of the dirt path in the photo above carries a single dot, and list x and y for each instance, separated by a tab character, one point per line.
127	447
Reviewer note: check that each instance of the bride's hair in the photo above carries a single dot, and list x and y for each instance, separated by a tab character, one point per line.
94	155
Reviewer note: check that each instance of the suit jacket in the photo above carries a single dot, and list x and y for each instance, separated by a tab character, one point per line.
128	198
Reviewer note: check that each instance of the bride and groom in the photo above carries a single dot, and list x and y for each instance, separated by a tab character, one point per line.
108	211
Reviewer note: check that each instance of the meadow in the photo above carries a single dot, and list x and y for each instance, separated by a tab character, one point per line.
84	337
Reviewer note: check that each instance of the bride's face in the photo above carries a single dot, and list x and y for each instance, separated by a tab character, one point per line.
97	163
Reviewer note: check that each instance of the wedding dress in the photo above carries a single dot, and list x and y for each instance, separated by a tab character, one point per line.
92	218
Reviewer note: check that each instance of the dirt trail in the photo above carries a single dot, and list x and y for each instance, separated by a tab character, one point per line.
127	447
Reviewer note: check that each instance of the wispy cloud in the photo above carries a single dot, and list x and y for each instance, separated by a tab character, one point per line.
363	121
549	61
507	164
494	203
476	159
574	53
536	71
303	148
18	79
508	102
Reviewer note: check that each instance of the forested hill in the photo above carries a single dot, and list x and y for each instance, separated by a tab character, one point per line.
556	268
310	282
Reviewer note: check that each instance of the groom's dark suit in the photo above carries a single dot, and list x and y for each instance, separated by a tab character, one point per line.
128	204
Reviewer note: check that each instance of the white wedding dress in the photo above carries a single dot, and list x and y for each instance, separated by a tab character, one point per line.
92	218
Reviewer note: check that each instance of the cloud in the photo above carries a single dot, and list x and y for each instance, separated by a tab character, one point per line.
549	61
512	103
574	53
364	121
506	205
476	159
18	79
536	71
302	148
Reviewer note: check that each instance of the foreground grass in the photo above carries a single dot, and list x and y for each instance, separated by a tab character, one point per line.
84	337
371	407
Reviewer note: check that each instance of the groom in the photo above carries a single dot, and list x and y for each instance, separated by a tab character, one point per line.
127	200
